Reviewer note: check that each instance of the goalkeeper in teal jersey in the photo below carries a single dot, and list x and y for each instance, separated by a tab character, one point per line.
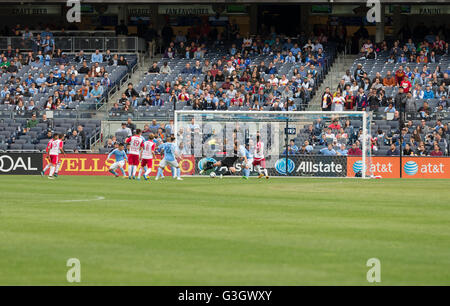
121	157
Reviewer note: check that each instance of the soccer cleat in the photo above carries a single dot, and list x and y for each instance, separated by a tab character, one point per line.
260	176
202	171
267	177
179	179
51	178
245	178
146	177
138	179
56	175
221	176
124	177
42	173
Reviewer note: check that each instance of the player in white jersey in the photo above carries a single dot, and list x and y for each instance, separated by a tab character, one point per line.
54	147
148	153
136	143
259	162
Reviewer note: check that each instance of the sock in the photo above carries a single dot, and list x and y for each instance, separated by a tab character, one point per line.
178	172
134	170
46	168
52	170
123	171
246	172
266	173
130	171
174	171
258	168
58	166
160	173
147	171
140	172
225	172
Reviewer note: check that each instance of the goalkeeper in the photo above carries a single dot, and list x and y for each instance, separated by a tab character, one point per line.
227	162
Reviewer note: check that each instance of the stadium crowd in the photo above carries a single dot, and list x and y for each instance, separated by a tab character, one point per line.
407	88
251	73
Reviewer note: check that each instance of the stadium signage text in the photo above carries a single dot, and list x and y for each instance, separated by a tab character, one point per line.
321	165
311	167
98	164
412	167
16	163
198	9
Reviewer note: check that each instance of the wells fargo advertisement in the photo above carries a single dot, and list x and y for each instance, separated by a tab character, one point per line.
98	164
412	167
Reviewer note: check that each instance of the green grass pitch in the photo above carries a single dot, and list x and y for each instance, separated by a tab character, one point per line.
204	231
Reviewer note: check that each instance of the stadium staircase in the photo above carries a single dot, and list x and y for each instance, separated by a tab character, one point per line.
337	70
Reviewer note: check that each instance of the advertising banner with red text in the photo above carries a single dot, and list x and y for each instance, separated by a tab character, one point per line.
413	167
98	164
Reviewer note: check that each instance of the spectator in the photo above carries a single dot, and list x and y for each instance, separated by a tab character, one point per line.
165	69
125	129
97	57
392	151
354	150
328	151
154	68
436	151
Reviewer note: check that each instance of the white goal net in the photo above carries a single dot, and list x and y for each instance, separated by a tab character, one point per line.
308	144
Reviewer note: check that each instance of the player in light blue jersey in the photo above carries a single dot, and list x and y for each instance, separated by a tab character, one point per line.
247	159
170	152
120	157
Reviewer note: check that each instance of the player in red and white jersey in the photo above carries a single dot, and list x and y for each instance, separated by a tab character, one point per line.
136	143
148	153
61	137
54	147
259	162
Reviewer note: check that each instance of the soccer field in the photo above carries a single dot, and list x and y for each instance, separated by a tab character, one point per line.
204	231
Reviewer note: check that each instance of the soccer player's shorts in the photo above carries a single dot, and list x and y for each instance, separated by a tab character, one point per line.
116	165
248	164
54	159
228	162
147	163
133	160
260	162
165	163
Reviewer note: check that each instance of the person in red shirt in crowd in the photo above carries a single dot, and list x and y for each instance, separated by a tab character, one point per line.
439	45
354	150
399	75
406	85
437	151
335	125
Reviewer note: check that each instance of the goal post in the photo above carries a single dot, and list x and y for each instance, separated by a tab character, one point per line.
304	144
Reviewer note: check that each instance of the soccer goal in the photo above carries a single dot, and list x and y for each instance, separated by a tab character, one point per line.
308	144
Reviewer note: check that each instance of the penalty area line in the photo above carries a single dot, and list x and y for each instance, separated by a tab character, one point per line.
83	200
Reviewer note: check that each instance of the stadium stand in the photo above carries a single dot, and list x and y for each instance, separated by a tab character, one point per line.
261	78
406	89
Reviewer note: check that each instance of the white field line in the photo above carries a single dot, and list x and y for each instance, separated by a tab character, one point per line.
84	200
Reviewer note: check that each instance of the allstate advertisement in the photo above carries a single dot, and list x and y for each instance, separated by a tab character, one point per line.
316	166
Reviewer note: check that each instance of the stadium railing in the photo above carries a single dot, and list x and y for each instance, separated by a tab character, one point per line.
77	43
